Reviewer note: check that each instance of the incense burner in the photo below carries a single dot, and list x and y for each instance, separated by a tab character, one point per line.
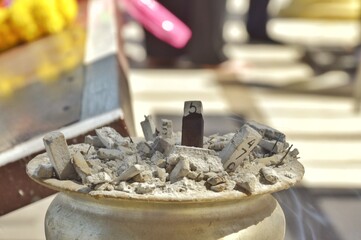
168	185
74	216
77	214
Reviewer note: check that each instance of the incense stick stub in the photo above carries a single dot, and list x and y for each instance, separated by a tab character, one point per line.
191	107
167	128
81	166
193	124
240	146
59	155
148	127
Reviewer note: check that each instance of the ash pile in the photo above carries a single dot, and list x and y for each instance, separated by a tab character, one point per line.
254	159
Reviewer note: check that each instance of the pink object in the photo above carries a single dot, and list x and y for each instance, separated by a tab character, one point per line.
159	21
5	3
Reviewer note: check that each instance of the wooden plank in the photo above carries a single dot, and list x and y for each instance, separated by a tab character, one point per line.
106	86
43	98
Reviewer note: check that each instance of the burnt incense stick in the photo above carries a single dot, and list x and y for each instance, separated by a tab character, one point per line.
193	124
273	148
283	158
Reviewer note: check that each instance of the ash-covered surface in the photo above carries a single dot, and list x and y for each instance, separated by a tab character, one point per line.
254	160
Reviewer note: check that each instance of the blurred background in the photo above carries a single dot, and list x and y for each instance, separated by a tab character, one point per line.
294	65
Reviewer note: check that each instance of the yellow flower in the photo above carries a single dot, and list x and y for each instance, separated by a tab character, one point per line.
8	38
68	9
27	20
47	16
4	15
22	21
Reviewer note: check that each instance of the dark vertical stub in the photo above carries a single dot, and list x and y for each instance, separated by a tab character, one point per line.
192	124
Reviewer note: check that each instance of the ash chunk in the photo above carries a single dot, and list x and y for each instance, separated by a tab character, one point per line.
144	176
144	148
111	138
272	160
104	187
216	180
246	181
44	170
143	188
180	171
161	174
94	141
110	154
219	188
270	174
81	166
165	146
59	155
97	178
130	172
200	159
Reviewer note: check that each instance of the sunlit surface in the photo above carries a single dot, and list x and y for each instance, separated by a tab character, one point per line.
316	32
